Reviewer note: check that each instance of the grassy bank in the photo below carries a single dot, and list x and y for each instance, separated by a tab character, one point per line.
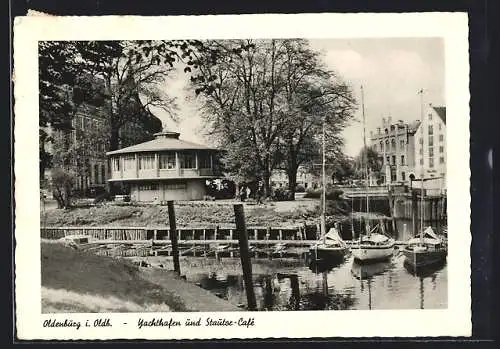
187	214
78	281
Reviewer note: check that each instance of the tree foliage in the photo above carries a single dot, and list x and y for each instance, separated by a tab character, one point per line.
127	70
265	101
368	159
121	78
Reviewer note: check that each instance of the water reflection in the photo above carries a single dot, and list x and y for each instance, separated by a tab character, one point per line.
304	286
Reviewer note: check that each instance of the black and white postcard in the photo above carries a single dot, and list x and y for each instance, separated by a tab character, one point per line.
243	176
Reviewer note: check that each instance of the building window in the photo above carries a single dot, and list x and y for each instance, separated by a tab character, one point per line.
421	161
187	160
393	176
176	186
393	145
394	159
441	160
96	174
145	187
431	152
402	159
421	151
402	144
441	138
440	126
403	176
431	162
116	164
421	140
129	162
431	130
146	162
381	146
431	141
441	149
167	161
388	160
430	116
204	161
103	173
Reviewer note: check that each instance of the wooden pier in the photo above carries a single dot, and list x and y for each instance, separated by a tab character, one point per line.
134	241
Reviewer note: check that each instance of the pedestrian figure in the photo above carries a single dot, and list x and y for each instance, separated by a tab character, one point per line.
249	191
242	193
259	193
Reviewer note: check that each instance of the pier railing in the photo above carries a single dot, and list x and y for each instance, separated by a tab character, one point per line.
185	233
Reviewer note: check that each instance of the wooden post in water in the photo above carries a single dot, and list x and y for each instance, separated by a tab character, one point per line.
414	213
268	235
294	285
391	209
246	263
173	236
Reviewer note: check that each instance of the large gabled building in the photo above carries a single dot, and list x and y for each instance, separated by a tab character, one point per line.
414	150
430	148
394	142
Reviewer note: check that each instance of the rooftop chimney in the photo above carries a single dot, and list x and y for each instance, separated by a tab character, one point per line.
167	134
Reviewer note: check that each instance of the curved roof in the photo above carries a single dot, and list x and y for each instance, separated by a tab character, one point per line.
163	141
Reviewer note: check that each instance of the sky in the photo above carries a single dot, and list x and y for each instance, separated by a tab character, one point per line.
391	71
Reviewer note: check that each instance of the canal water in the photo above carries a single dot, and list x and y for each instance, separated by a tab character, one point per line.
293	284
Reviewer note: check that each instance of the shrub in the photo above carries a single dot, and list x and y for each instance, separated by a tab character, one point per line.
331	193
102	197
282	194
300	188
62	181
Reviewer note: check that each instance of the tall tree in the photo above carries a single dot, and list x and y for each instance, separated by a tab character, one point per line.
273	94
128	68
368	159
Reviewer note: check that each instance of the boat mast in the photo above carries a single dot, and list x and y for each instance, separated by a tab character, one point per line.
323	203
365	158
421	92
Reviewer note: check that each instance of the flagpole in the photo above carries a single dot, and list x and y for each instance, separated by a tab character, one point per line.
422	169
365	152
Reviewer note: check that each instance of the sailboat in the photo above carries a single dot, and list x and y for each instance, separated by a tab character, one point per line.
428	249
330	248
374	245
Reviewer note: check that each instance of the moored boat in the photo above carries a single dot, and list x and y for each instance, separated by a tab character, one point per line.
330	248
426	250
374	245
372	248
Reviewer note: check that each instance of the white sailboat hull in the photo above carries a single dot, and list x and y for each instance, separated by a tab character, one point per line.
372	253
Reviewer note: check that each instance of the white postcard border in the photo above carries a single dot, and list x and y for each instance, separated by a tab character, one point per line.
454	321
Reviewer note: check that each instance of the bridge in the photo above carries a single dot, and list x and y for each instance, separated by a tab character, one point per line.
382	191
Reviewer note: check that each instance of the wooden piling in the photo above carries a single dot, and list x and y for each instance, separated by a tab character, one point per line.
414	212
391	209
173	237
246	263
294	285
